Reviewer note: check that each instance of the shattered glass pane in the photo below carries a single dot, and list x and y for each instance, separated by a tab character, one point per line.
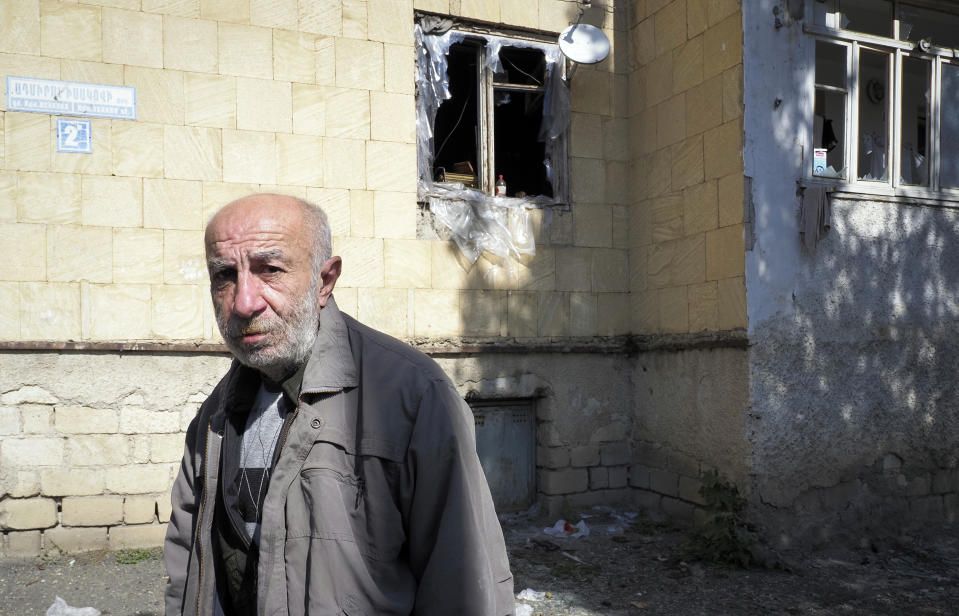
939	28
914	127
949	127
873	116
830	111
869	16
826	13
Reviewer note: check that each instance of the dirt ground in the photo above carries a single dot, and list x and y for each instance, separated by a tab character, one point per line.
625	566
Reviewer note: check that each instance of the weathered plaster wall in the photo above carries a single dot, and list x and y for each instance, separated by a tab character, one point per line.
856	423
690	419
853	415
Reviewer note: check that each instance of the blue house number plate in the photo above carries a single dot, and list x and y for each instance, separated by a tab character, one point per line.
74	136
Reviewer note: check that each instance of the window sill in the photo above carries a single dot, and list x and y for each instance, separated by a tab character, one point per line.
913	195
454	191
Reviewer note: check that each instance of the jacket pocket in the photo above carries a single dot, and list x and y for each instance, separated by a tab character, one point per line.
329	495
347	506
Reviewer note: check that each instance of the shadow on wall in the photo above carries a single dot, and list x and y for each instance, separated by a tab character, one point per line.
854	421
577	398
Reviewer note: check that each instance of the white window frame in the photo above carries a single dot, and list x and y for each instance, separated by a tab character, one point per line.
855	42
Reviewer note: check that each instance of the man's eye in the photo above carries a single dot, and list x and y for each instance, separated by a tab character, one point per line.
223	277
273	269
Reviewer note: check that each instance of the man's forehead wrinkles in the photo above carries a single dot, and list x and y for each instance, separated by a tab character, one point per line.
249	245
252	236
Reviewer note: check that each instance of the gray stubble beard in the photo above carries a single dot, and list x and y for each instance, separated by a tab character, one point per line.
297	333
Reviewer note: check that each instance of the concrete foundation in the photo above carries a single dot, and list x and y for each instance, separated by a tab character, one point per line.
90	442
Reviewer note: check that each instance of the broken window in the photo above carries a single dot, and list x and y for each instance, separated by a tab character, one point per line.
492	106
886	90
492	121
830	115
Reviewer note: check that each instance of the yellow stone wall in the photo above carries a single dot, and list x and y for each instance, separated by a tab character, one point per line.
313	99
686	243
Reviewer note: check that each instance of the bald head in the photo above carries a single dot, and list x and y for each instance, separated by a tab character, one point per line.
299	213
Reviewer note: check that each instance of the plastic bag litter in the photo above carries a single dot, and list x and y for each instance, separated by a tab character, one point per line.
60	608
562	528
524	610
531	595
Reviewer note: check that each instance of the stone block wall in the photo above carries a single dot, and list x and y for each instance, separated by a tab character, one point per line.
692	419
88	455
686	166
584	405
312	99
583	475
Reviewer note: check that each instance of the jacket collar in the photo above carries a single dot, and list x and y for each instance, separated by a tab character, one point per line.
330	366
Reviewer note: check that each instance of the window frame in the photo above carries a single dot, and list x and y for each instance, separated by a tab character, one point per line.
856	42
486	142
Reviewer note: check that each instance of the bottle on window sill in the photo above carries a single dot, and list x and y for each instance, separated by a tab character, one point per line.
500	186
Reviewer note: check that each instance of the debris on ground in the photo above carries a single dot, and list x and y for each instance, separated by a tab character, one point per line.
562	528
531	595
61	608
641	570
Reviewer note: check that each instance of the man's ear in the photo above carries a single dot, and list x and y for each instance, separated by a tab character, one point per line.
328	277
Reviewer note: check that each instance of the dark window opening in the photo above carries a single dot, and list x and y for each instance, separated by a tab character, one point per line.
490	126
519	154
455	133
522	67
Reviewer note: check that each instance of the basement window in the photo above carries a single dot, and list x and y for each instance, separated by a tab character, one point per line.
886	109
492	124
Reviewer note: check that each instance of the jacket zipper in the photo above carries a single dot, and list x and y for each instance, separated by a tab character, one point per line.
286	431
199	520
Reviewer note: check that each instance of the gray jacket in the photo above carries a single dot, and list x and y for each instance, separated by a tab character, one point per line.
377	505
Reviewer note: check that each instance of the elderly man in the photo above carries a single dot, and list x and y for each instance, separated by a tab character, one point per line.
333	469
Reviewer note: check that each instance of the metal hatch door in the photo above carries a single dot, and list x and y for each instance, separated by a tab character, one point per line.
505	443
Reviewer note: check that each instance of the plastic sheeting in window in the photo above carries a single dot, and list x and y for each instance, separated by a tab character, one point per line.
480	222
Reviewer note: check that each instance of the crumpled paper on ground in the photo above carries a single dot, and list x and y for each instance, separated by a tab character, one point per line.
562	528
60	608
